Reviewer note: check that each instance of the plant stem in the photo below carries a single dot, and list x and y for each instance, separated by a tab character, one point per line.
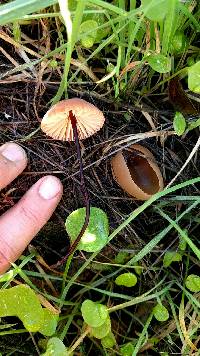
69	259
84	191
79	340
137	300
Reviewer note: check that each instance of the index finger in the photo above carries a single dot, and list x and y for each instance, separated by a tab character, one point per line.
23	221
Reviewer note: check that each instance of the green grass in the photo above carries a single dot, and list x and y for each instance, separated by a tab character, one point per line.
126	36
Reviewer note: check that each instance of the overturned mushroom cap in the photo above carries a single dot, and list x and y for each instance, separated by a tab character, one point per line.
137	172
57	124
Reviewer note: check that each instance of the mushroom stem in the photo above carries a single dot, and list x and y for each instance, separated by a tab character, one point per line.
83	189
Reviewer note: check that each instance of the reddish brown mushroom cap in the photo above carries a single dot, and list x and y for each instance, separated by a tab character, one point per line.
56	122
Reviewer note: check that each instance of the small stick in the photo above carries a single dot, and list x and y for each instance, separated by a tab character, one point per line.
84	191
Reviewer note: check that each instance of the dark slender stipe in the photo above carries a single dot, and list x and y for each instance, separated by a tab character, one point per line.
84	191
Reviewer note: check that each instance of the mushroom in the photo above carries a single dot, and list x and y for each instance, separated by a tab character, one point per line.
71	120
57	122
136	171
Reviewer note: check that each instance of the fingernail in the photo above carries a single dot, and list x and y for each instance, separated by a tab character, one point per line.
49	188
13	152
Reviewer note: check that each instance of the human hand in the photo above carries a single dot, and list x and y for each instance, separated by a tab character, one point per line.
23	221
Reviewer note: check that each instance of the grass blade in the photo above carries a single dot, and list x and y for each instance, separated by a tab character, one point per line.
16	9
183	234
72	32
156	240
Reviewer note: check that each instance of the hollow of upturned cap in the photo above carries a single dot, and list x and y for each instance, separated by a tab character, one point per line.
57	124
136	172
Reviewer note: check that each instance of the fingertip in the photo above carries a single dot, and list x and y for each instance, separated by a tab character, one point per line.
13	161
50	187
13	152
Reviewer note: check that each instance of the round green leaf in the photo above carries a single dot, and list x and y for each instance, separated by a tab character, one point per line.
96	234
21	301
88	33
49	324
191	61
127	349
55	347
94	314
171	256
121	257
157	11
160	312
193	283
159	63
138	269
100	20
179	124
126	279
53	63
179	43
101	331
194	78
108	341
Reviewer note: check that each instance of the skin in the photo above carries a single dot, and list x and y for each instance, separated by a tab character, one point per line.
23	221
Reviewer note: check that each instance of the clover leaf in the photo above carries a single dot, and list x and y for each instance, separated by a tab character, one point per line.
194	78
101	331
193	283
160	312
96	234
108	341
179	123
55	347
171	256
159	63
21	301
157	11
126	279
94	314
